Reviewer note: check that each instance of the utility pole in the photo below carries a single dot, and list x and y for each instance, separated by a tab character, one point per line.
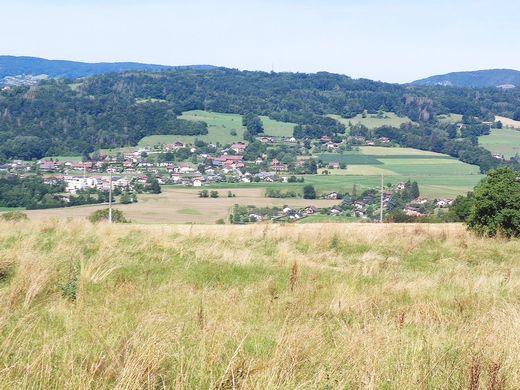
382	196
110	199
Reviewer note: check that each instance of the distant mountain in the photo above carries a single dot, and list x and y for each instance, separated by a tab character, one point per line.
505	78
25	68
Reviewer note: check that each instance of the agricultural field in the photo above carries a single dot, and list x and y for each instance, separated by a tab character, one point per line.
438	175
220	127
504	142
507	122
372	121
319	306
177	205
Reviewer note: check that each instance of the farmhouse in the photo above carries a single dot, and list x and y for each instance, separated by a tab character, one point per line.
277	166
239	147
332	196
413	212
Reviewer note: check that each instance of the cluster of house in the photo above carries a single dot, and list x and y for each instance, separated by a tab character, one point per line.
135	163
413	210
291	215
73	184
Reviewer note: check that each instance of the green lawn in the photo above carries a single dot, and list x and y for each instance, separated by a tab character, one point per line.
220	127
372	121
504	142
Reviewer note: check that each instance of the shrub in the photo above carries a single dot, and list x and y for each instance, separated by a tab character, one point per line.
14	216
102	215
309	192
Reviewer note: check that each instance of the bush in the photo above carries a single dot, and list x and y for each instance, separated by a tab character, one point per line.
309	192
102	215
13	216
220	222
496	204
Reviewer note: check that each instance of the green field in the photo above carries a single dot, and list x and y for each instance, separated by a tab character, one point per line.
372	121
63	158
504	142
431	186
220	127
438	175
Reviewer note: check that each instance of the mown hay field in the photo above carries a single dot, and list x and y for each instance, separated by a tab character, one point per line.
182	205
257	307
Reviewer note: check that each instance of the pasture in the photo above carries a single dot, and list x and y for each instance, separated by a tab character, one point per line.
504	142
373	121
220	127
300	306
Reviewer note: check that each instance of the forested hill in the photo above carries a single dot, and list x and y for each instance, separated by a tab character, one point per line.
113	110
480	78
33	66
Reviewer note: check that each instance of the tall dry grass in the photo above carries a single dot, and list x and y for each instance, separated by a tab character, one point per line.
263	307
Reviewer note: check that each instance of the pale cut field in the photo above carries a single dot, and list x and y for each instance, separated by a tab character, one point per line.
333	306
384	151
176	205
507	122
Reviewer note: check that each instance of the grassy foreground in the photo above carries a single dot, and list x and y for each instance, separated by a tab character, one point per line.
264	307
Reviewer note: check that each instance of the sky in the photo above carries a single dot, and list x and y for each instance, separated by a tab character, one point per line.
392	40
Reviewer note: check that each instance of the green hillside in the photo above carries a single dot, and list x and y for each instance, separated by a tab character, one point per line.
221	128
373	121
504	142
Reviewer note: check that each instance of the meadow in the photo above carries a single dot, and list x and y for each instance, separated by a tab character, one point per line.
373	121
220	127
504	142
257	307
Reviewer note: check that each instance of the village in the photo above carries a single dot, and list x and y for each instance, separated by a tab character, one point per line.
265	160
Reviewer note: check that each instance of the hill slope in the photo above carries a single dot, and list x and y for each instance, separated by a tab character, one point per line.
481	78
33	66
391	306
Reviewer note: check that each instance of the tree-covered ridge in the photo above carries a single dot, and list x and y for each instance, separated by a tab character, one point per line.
51	118
479	78
34	66
119	109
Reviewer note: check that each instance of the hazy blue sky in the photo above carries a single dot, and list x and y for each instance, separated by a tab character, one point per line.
393	40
